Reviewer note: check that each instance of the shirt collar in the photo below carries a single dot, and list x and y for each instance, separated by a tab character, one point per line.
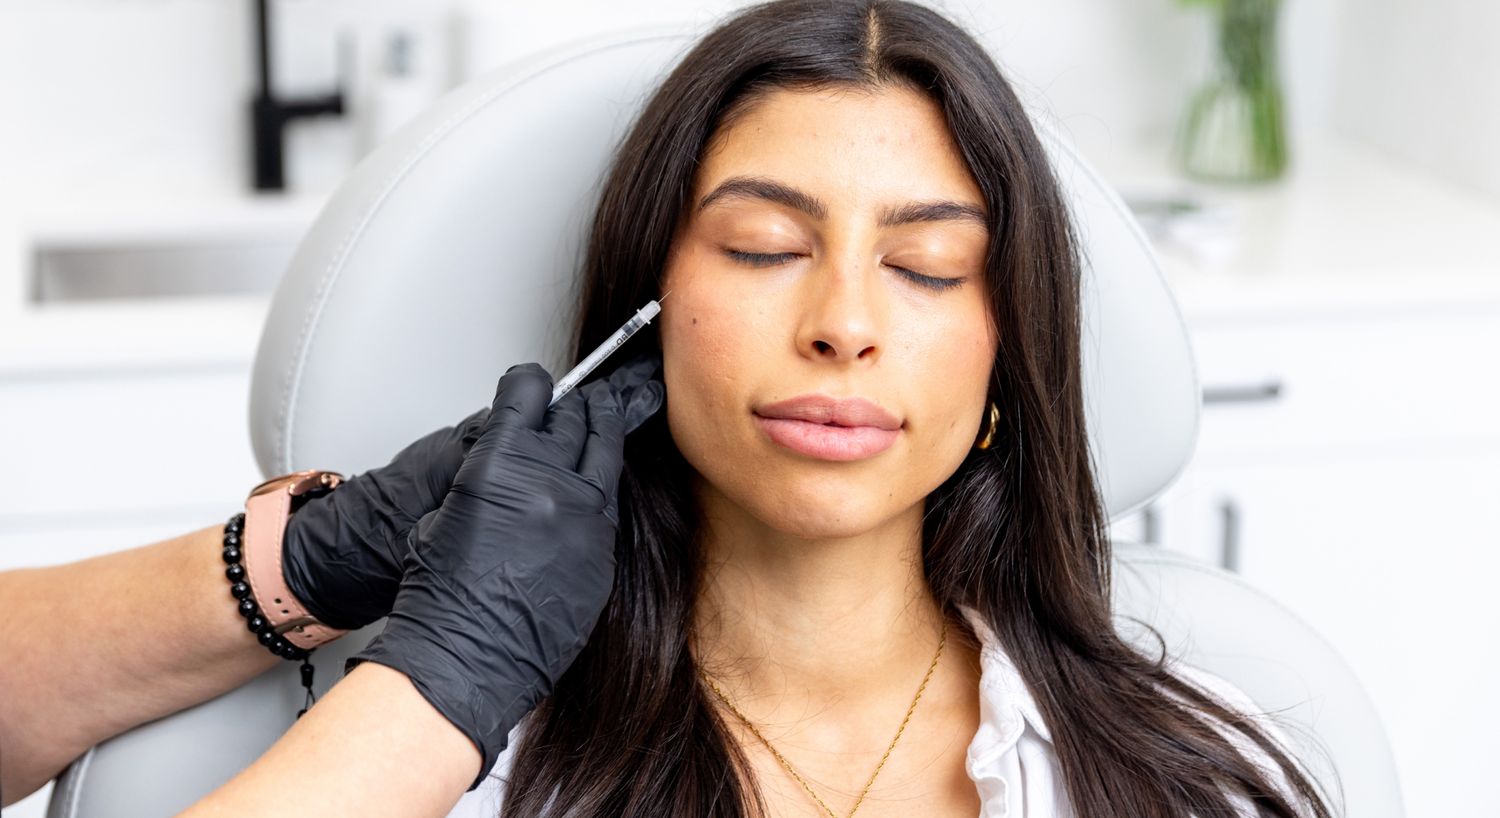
1005	701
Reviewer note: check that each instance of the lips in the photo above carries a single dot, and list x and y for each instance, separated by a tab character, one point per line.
829	428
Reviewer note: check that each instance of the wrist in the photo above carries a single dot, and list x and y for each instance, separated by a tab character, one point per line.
299	553
268	511
417	651
341	553
465	669
234	542
219	621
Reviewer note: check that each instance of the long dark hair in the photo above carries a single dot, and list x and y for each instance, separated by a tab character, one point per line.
1018	533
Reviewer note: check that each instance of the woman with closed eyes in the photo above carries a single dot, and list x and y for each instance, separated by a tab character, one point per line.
861	564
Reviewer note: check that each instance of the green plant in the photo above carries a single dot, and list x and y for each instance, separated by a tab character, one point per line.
1233	128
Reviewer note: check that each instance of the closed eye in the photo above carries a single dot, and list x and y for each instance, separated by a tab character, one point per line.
772	259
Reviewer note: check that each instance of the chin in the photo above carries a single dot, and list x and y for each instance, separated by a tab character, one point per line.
816	507
819	523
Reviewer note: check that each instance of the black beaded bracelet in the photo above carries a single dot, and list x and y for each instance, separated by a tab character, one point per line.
265	632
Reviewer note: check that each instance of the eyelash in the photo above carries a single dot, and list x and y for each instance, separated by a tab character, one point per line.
769	259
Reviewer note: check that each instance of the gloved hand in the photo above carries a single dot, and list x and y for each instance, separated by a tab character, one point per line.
505	581
342	552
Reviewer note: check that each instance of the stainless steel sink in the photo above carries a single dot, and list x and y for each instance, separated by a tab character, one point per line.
96	270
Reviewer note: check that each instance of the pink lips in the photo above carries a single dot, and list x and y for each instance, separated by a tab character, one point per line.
829	428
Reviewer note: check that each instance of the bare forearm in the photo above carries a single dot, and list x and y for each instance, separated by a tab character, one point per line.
93	648
338	760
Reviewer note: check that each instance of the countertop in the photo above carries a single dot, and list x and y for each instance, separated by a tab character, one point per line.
1345	230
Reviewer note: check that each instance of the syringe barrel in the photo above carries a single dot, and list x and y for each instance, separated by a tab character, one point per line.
604	350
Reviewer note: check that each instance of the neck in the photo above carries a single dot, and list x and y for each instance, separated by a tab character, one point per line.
827	622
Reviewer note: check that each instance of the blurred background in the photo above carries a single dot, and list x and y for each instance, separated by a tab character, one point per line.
1320	179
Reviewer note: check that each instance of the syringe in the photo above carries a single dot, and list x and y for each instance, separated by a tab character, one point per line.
642	317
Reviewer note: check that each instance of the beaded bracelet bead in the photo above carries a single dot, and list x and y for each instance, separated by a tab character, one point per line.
265	632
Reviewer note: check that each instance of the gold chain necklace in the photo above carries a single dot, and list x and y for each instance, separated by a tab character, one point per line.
941	640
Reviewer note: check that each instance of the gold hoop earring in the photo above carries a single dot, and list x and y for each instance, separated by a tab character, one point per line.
989	435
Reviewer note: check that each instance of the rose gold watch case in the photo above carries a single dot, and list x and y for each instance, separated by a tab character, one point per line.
300	482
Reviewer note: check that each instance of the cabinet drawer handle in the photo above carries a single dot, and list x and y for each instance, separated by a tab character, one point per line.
1229	545
1249	393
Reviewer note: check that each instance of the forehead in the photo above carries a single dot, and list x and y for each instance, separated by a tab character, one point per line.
850	147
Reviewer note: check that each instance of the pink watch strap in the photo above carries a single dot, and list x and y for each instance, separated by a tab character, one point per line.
267	511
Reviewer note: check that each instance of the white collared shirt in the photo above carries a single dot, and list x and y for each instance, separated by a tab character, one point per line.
1010	759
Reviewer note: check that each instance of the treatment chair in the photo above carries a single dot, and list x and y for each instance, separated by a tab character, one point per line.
463	232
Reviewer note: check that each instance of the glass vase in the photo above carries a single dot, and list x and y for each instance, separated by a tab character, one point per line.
1233	129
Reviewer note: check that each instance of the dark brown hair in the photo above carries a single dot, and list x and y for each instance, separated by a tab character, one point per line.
1018	532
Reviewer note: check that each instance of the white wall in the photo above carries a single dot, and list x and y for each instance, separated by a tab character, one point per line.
1420	80
107	93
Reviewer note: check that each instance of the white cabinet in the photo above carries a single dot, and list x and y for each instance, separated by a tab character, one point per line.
122	423
111	462
126	448
1349	465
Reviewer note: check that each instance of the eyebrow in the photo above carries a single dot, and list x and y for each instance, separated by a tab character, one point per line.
753	187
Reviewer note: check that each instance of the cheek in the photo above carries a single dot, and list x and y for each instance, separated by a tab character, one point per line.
715	331
711	348
950	364
702	348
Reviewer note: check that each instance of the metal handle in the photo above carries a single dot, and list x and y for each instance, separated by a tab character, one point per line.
1229	545
1244	393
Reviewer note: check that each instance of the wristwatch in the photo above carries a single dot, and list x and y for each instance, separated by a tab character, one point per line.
267	511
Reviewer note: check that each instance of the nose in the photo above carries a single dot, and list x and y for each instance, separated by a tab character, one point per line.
842	314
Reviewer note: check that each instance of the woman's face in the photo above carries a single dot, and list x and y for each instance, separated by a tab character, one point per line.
866	283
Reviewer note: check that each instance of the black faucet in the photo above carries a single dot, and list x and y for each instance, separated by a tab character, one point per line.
271	115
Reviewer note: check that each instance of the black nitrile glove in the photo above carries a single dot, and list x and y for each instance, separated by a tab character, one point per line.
342	552
506	580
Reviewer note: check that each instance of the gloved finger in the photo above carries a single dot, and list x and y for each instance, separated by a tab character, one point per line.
521	397
414	534
565	428
639	369
419	475
642	402
471	427
443	453
636	388
604	452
